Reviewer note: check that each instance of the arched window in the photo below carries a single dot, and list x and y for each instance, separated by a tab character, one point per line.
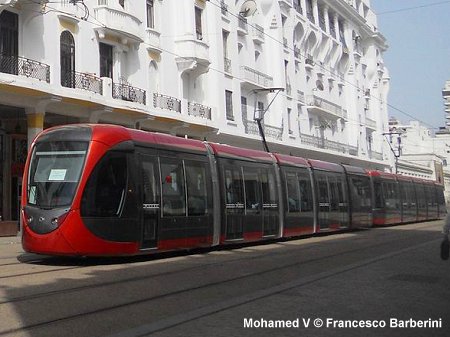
9	41
67	46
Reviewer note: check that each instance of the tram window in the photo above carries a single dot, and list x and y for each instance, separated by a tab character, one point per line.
269	189
252	189
105	191
391	195
379	199
233	187
360	193
306	204
196	188
334	194
293	192
323	191
55	170
173	189
149	183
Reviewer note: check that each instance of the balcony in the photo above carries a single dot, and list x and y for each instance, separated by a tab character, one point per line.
166	102
198	110
117	22
256	79
128	93
323	106
242	26
152	40
326	144
258	34
21	66
227	65
375	155
273	132
193	54
371	124
84	81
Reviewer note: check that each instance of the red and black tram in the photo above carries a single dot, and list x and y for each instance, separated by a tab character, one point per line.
95	190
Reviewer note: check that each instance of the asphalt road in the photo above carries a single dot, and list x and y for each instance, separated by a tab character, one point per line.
379	282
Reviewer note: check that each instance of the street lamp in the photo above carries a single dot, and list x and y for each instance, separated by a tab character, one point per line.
258	115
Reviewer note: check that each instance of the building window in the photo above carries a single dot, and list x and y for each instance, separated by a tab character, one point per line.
9	41
289	110
106	60
198	23
244	109
150	14
67	59
226	59
229	105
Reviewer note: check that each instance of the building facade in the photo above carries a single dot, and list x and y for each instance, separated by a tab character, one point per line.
310	70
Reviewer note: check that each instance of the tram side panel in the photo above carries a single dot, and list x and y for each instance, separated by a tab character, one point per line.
360	201
299	204
387	210
250	200
421	200
331	193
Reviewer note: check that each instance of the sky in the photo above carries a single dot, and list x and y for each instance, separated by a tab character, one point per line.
418	57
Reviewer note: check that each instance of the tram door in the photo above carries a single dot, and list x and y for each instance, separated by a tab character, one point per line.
324	202
270	203
234	203
150	201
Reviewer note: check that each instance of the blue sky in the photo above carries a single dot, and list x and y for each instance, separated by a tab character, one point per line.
418	58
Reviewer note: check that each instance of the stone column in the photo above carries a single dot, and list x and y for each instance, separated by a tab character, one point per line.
35	120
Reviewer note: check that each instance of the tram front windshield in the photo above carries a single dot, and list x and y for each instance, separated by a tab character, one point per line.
55	171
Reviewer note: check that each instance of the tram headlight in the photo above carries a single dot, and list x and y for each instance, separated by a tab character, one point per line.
59	220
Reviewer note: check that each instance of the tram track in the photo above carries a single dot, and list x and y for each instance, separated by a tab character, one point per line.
88	262
179	292
172	272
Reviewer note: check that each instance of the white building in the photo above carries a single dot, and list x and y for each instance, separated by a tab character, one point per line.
195	68
420	154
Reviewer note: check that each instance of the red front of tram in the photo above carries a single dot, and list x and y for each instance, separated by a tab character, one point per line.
55	199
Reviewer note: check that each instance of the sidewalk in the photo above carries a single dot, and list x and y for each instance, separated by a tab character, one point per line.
9	240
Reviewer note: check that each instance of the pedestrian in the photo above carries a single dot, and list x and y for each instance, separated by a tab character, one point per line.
445	245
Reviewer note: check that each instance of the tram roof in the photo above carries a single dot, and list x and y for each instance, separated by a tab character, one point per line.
239	153
326	166
291	160
355	170
113	134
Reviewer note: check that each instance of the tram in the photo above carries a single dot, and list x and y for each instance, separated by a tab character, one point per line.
105	190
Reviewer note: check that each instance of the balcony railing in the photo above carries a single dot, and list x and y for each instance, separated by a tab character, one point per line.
323	143
198	110
128	93
227	65
76	80
323	104
375	155
16	65
257	77
251	128
258	33
166	102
